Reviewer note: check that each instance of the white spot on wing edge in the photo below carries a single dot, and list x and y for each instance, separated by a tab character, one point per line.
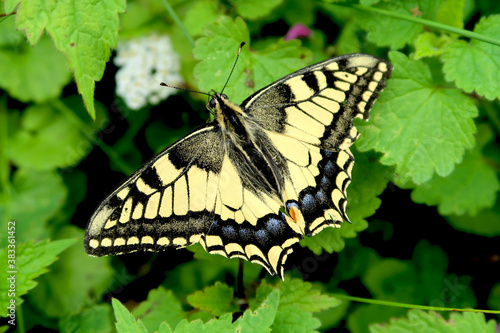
94	243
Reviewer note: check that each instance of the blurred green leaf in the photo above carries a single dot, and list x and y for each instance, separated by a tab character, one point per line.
84	31
36	197
485	223
97	319
46	139
199	14
29	261
474	66
253	9
419	127
429	44
36	73
420	321
74	282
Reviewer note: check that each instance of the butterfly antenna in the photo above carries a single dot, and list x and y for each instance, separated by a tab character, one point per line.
234	65
184	89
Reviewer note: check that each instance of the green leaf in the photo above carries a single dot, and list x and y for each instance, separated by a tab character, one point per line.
494	297
295	319
222	325
369	181
451	13
160	306
27	73
216	299
84	31
387	31
218	50
97	319
298	301
298	292
125	321
429	44
485	223
36	197
199	15
75	281
30	261
419	127
263	317
47	139
254	9
475	66
420	321
472	186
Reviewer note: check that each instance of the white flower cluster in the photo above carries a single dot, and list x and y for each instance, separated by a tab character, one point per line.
145	62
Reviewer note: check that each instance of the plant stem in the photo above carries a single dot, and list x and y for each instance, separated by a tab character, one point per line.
178	21
409	306
428	23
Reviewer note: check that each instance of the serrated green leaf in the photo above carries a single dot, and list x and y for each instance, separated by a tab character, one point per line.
216	299
36	197
298	301
222	325
472	186
125	321
253	9
84	31
419	127
165	328
97	319
30	261
28	73
302	294
475	66
47	140
75	281
293	318
160	306
420	321
263	317
218	50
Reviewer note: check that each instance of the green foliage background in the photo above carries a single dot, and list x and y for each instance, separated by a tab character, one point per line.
423	201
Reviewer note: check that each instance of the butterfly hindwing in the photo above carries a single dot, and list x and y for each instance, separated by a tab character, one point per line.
308	115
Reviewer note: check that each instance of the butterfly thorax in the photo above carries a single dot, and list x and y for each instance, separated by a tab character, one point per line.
244	140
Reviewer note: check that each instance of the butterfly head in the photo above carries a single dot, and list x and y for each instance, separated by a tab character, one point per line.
217	101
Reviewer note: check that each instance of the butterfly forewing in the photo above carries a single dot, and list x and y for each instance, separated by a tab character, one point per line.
206	189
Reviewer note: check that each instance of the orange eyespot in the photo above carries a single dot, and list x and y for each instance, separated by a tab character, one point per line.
294	213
